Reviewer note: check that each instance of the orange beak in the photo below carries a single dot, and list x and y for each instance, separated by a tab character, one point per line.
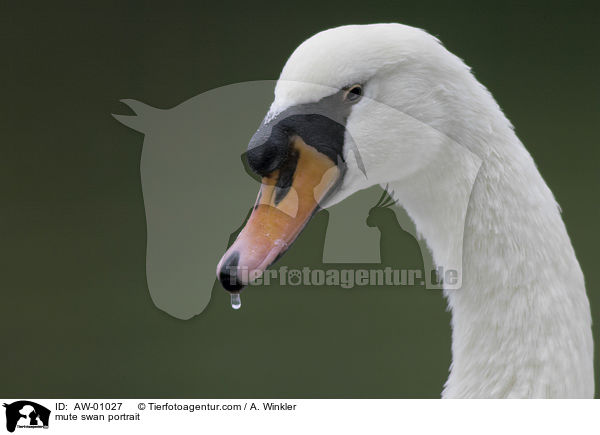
282	210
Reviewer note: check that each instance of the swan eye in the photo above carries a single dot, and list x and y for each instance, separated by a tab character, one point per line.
353	93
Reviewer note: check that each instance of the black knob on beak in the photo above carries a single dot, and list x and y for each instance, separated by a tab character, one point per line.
265	154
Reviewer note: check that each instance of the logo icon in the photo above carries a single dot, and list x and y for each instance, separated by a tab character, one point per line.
26	414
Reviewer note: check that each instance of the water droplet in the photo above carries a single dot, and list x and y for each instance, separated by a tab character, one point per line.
236	301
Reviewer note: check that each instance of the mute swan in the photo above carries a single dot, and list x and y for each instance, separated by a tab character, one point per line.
386	104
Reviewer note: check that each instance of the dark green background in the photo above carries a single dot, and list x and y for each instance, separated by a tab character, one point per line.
76	317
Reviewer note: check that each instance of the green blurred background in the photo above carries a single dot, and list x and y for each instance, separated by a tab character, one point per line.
76	316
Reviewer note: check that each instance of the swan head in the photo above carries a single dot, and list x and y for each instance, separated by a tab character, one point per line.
354	106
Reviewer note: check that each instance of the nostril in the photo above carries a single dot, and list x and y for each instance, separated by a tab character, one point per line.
228	274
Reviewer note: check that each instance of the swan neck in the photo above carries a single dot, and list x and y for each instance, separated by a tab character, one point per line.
521	324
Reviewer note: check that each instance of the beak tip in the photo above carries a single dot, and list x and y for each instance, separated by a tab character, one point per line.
231	287
227	273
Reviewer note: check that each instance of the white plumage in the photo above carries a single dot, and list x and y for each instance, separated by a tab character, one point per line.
521	323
